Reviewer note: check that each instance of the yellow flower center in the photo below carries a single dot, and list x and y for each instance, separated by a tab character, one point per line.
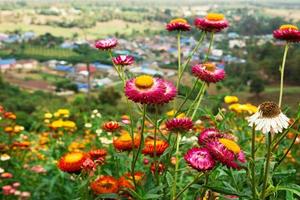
288	27
231	145
178	20
144	81
125	137
214	16
210	67
73	157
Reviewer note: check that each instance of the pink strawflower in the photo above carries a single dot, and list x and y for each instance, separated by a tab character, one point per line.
178	24
170	92
225	155
123	60
287	32
179	124
88	165
16	184
38	169
208	72
200	159
6	189
145	89
25	195
213	22
106	44
212	134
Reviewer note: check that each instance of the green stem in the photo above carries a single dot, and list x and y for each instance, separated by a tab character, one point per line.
210	45
205	183
267	166
188	185
186	98
179	63
116	68
176	165
253	164
286	153
199	101
135	158
195	100
282	73
192	54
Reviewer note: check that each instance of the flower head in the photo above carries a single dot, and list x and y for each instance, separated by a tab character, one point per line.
106	44
243	108
160	147
213	22
231	99
208	72
170	92
269	118
97	153
125	143
126	180
178	24
111	126
105	185
179	124
145	89
157	166
72	162
200	159
123	60
226	152
287	32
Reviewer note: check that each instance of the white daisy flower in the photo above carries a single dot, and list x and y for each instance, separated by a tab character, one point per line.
4	157
269	118
88	125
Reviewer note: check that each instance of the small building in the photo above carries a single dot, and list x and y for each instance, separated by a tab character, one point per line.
26	64
65	68
102	82
6	64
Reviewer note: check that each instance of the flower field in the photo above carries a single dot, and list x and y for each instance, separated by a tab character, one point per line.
242	151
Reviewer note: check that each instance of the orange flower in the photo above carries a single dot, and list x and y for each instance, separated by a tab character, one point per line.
22	145
111	126
105	185
9	115
72	162
161	146
124	142
97	153
126	180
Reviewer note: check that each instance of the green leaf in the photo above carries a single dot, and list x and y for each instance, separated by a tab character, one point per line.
107	196
295	189
289	195
153	196
169	179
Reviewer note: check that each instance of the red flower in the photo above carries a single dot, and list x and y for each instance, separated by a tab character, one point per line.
105	185
123	60
124	142
287	32
111	126
200	159
106	44
6	175
179	124
88	164
178	24
160	167
72	162
97	153
213	22
149	148
208	72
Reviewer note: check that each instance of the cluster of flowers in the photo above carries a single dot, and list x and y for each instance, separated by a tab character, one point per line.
59	120
215	147
239	108
13	190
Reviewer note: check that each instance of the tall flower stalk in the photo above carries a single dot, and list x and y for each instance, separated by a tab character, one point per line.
282	73
253	184
176	165
267	167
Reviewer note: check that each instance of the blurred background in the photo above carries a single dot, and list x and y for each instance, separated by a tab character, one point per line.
46	46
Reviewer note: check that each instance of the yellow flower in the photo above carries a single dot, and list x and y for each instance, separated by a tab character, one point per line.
57	124
69	124
64	111
231	99
48	116
18	128
172	113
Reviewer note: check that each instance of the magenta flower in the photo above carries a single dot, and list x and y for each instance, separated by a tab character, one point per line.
123	60
225	154
200	159
179	124
170	92
106	44
288	32
178	24
145	89
212	134
213	22
208	72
